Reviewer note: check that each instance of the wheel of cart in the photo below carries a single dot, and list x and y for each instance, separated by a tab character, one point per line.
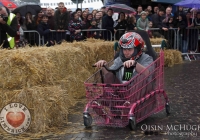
118	105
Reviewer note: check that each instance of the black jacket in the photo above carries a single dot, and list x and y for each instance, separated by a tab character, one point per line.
44	30
107	23
157	21
10	30
182	25
61	20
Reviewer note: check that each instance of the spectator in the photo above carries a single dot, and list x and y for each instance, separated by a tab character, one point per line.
155	9
121	24
157	20
88	20
192	34
84	16
98	20
93	34
148	16
44	30
38	18
19	38
107	23
139	10
150	31
50	18
87	10
142	22
168	14
197	26
94	13
179	12
101	14
131	24
103	9
61	19
170	22
79	13
181	25
30	25
149	9
75	27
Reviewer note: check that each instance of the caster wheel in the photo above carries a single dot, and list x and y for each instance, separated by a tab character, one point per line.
132	124
167	107
87	120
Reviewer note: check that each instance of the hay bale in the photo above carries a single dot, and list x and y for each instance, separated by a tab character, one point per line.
156	41
47	105
172	57
48	80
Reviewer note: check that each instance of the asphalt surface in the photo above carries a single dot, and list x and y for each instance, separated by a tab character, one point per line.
182	84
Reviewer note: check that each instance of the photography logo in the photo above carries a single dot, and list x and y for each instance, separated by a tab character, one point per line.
15	118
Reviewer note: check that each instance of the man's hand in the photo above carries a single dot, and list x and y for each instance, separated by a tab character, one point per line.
129	63
100	63
115	31
2	21
165	29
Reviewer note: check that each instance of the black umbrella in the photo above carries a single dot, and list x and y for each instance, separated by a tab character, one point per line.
23	9
122	8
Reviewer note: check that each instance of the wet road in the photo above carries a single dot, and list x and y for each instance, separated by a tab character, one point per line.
182	84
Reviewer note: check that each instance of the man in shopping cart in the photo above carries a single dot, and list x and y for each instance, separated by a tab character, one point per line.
131	56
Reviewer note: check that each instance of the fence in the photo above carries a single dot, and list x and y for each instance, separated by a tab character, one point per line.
182	40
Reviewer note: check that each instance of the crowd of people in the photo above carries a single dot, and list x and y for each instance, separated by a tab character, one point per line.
56	25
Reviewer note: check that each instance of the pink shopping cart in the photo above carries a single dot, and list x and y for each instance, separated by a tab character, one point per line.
119	105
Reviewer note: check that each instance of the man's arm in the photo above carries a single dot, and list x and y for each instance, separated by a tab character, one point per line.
12	29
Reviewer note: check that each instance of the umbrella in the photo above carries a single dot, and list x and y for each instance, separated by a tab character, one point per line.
32	8
189	3
122	8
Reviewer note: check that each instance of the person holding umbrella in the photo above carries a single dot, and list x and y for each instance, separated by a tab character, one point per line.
8	28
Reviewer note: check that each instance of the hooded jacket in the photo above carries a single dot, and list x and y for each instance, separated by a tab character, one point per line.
10	30
145	60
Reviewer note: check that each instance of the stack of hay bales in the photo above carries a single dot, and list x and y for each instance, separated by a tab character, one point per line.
48	80
171	56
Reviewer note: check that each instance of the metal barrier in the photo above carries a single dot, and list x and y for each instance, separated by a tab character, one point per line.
169	35
33	37
187	42
105	34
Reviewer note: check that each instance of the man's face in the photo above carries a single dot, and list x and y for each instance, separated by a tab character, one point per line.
161	13
97	16
87	10
61	7
3	12
79	13
155	9
168	11
110	12
128	52
139	9
100	14
149	8
180	8
188	15
49	11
